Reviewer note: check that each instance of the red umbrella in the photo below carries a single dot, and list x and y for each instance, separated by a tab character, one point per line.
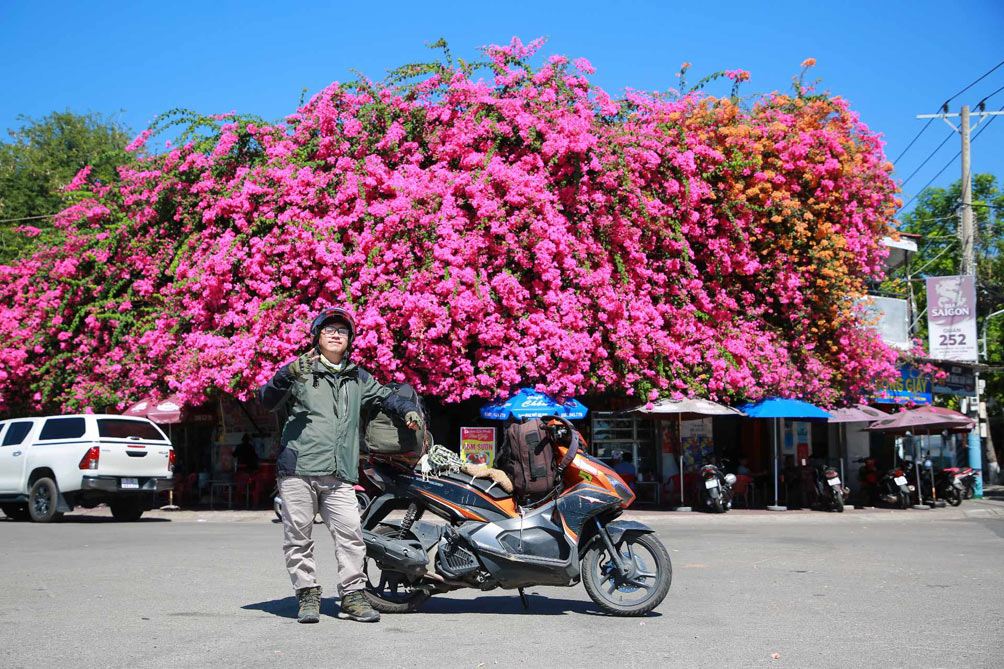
858	414
910	421
965	422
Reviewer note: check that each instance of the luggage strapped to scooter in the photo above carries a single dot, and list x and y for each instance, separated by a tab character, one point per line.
527	457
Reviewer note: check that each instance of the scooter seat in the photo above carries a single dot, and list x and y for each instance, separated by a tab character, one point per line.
486	486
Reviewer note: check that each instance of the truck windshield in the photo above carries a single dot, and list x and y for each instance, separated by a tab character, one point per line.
115	428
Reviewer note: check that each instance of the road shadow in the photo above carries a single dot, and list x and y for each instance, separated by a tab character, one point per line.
109	519
282	608
91	520
540	605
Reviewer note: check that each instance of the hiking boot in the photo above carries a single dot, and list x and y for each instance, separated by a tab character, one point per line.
355	606
310	604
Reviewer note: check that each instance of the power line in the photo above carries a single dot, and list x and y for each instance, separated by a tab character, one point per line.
985	75
913	141
927	125
931	155
987	124
990	96
949	163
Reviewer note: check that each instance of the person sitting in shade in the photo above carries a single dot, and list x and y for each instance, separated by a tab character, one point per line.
624	466
247	457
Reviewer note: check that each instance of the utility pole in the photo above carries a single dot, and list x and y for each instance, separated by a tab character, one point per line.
967	235
967	230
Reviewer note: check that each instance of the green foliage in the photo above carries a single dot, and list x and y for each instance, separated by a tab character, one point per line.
936	218
41	157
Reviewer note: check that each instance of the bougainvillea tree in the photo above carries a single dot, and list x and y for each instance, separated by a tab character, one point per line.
490	228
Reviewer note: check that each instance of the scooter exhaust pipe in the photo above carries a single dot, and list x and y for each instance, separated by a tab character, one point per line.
404	555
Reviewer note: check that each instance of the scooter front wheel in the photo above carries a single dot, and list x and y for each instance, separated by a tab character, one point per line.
642	588
953	497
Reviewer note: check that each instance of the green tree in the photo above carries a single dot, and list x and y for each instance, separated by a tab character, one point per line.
41	157
936	218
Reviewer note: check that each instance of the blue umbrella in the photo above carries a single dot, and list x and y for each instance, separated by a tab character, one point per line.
782	407
528	403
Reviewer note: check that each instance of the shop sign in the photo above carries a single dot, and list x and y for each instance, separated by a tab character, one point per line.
913	388
477	445
951	317
961	381
797	439
697	438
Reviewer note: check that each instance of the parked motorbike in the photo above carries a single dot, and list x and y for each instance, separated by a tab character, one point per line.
830	490
948	486
895	489
716	490
966	477
489	542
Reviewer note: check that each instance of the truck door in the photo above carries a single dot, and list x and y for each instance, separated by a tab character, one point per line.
13	455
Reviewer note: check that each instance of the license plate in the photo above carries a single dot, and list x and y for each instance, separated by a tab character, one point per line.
900	480
711	484
130	483
834	482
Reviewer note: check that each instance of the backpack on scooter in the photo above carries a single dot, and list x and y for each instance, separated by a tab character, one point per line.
527	456
387	434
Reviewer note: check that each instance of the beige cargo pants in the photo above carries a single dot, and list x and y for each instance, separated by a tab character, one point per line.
302	497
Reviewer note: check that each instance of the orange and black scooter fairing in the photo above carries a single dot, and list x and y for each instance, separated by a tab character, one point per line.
590	489
455	496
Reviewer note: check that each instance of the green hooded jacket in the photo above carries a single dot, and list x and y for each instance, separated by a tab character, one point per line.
321	434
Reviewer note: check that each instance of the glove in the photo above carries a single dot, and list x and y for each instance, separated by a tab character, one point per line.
412	417
302	366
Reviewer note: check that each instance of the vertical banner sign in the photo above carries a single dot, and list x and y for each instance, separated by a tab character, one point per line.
951	317
477	445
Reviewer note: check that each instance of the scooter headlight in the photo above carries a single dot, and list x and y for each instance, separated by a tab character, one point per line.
622	490
730	479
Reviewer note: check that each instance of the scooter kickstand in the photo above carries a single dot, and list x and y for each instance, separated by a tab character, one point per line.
523	598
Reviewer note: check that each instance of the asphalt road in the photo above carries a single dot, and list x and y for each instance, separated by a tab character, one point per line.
879	588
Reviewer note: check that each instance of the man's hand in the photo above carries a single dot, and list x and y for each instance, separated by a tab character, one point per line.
301	367
413	420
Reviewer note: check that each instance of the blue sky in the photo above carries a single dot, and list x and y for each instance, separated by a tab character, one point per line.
134	60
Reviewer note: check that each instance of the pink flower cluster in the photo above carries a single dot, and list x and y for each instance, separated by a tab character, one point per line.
524	230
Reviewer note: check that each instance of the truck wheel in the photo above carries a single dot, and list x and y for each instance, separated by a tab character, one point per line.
127	511
15	511
42	499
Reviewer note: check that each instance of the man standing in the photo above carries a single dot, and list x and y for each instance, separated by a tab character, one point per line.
319	461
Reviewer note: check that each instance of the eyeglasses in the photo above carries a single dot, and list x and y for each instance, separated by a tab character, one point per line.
335	330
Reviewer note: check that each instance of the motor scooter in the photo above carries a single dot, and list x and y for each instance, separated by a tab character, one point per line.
489	541
949	487
966	477
830	490
895	489
716	488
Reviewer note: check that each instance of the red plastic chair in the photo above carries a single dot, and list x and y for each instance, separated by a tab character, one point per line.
744	488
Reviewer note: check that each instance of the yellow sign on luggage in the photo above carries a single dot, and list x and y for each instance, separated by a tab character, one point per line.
477	445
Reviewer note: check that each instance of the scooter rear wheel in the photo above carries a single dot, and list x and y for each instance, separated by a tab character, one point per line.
652	575
391	591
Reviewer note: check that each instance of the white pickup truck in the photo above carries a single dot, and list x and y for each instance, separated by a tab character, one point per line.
49	465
